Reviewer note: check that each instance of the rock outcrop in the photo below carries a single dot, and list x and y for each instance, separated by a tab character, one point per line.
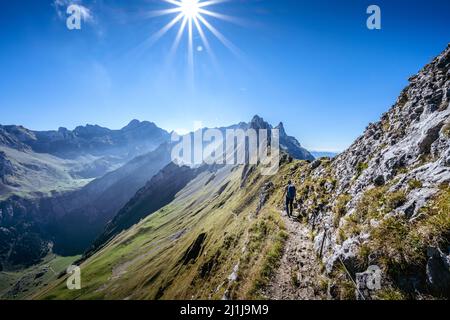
394	177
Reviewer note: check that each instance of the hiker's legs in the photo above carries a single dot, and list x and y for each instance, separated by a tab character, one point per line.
287	207
291	207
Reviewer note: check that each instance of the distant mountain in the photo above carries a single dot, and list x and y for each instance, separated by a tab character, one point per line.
37	163
324	154
288	143
88	210
292	146
134	139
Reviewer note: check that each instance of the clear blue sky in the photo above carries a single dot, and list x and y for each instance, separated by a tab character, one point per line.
311	64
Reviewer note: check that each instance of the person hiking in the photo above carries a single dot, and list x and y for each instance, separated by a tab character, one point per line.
290	193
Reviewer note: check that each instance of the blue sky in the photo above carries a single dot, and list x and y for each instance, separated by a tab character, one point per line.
312	64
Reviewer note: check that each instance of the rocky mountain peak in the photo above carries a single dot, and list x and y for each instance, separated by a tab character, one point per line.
280	127
136	125
133	123
258	123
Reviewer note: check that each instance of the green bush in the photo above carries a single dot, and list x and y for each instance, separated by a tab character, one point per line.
377	202
401	244
394	200
446	130
361	167
339	208
414	184
390	294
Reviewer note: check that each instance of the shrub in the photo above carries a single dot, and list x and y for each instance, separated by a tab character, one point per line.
394	200
361	167
390	294
414	184
401	245
377	202
340	207
396	246
446	130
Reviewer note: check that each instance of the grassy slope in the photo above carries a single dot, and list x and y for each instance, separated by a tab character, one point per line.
22	284
146	261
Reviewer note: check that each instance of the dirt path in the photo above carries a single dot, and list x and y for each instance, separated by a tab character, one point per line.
298	277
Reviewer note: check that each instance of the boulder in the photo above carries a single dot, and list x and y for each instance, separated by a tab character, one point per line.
438	272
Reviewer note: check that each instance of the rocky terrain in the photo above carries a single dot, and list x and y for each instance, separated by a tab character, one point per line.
385	200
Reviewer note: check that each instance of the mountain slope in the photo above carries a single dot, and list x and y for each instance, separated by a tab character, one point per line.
187	249
390	206
162	188
67	223
385	201
157	193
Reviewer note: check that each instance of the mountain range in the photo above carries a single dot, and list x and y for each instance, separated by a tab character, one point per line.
151	229
105	169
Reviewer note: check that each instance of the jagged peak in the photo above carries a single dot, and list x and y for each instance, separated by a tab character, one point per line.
280	127
134	124
259	123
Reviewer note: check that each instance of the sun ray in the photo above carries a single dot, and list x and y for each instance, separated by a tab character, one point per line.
192	14
227	43
177	40
190	49
211	2
220	16
205	40
202	35
174	2
164	12
166	28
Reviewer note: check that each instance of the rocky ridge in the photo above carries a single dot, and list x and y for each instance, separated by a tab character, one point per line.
394	177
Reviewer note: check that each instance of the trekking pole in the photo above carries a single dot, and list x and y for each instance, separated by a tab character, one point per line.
354	282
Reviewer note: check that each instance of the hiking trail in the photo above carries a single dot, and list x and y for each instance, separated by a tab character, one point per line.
298	275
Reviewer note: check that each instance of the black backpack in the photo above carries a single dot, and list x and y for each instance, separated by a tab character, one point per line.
291	191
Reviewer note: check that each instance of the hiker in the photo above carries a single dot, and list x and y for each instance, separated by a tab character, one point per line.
290	193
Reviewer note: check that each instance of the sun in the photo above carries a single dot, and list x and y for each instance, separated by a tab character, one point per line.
191	16
190	8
